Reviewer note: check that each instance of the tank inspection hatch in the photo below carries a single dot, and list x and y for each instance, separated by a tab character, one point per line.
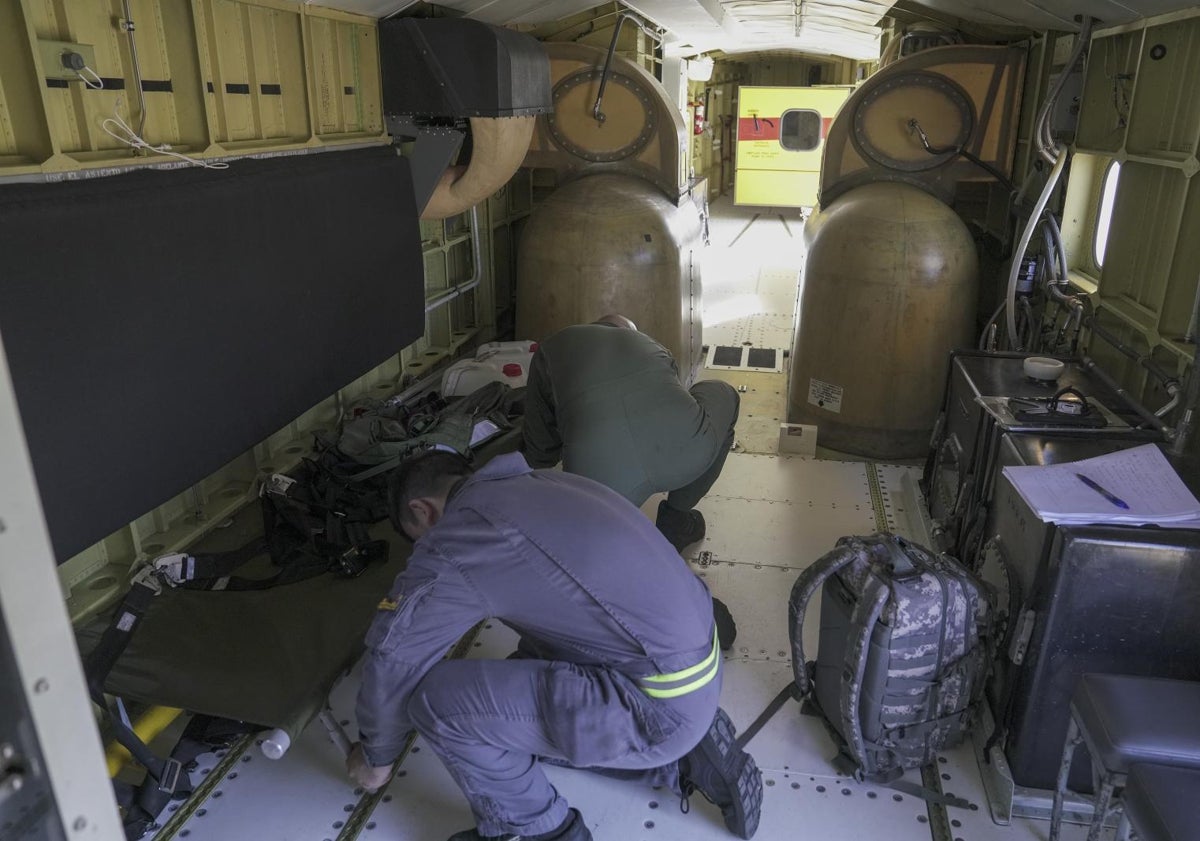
628	123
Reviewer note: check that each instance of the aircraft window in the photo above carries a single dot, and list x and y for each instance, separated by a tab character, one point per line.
1108	195
800	130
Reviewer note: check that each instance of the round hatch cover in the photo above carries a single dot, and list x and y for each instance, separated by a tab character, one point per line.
883	121
628	117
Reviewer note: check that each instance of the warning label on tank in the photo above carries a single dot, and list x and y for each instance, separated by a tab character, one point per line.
825	395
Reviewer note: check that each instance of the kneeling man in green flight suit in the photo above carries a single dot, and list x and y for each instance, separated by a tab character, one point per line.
607	401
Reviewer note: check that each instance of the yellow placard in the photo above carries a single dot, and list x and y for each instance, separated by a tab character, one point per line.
780	140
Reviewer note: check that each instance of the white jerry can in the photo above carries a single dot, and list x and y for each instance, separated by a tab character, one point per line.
506	362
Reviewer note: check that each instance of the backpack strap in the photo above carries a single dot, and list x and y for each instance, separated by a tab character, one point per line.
786	694
867	612
928	794
806	586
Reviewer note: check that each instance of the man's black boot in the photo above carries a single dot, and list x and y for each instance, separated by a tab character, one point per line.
681	528
571	829
727	777
726	627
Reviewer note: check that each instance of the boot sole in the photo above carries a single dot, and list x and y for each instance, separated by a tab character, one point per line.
740	774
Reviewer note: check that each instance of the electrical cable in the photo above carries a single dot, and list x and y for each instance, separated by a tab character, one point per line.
1052	152
1043	134
1014	270
116	128
983	337
95	83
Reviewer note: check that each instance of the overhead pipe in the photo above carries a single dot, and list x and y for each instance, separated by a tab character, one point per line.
597	114
498	147
1168	381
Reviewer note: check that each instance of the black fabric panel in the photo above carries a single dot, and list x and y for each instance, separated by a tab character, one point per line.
158	324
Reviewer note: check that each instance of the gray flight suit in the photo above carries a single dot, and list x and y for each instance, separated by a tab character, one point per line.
596	590
609	402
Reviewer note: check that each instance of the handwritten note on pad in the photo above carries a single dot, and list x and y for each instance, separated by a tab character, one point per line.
1140	477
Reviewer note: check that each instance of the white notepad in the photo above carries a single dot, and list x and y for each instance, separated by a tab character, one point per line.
1140	477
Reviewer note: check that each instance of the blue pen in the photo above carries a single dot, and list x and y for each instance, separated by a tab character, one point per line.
1115	500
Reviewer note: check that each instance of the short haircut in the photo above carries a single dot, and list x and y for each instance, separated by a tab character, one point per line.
429	473
616	320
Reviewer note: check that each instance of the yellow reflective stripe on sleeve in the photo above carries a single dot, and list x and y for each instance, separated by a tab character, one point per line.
686	680
686	673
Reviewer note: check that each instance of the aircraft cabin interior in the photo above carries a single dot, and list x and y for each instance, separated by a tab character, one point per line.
923	276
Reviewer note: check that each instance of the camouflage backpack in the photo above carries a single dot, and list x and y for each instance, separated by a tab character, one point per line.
905	646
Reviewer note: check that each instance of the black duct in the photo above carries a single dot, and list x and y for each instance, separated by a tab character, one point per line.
159	324
456	68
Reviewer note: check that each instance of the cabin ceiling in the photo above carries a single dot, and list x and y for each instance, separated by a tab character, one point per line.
847	28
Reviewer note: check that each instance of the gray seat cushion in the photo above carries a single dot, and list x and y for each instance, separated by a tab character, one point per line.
1163	803
1139	719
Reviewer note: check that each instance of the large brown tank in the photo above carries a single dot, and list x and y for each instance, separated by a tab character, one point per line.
613	243
888	291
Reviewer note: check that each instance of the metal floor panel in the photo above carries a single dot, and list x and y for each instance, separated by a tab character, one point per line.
794	479
762	409
782	534
424	806
762	623
751	275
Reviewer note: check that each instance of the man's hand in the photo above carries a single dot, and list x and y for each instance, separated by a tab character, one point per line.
368	776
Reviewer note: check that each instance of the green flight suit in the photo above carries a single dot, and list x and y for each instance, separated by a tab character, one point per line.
609	403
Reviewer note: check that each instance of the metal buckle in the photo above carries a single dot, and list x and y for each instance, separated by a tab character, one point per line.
277	483
169	781
149	577
352	563
175	568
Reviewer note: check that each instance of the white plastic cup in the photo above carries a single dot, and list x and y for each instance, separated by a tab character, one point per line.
276	744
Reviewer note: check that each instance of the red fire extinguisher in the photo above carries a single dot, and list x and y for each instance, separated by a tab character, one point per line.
698	118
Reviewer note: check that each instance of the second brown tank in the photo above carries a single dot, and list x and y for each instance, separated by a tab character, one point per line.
888	291
613	243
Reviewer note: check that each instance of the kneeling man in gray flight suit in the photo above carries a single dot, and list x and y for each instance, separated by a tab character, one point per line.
608	401
627	676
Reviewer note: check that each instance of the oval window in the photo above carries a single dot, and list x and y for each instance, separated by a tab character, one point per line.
1108	195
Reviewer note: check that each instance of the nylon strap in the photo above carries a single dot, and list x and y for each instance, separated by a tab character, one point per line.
803	590
928	794
791	691
866	614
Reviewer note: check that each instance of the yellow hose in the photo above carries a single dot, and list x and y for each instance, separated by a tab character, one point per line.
148	728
